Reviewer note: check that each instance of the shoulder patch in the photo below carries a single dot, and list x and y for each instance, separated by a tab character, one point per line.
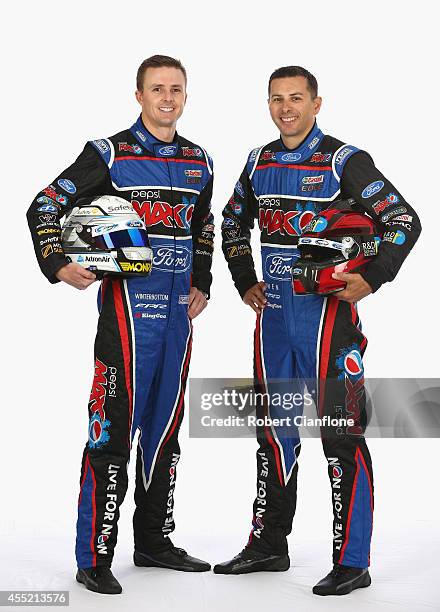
105	149
340	158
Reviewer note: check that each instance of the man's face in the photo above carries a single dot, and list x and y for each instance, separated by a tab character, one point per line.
163	96
291	106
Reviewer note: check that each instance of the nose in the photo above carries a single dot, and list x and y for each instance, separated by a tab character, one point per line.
168	95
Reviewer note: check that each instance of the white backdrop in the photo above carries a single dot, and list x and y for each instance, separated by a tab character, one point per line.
69	76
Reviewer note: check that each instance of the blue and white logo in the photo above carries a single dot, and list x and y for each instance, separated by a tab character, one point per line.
171	259
372	189
278	266
141	135
135	224
168	150
101	145
239	189
47	208
67	185
291	157
317	225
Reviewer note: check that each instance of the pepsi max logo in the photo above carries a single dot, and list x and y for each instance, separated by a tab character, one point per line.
353	363
103	538
336	471
171	259
291	157
372	189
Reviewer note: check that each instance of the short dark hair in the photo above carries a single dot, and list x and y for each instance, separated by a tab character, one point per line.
157	61
295	71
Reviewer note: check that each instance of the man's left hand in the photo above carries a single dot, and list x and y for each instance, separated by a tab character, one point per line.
197	302
356	289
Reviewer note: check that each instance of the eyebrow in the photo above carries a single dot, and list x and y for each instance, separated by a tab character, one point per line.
296	93
162	85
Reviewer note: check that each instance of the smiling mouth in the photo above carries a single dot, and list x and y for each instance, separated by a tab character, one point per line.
288	119
166	109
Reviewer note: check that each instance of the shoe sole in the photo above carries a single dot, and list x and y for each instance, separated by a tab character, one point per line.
278	566
363	583
158	564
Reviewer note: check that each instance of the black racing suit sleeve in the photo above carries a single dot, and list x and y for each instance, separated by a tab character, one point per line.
238	221
202	230
360	172
90	177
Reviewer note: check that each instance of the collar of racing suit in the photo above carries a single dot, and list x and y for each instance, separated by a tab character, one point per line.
147	140
307	147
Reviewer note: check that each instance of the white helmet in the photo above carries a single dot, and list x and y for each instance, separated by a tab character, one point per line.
107	236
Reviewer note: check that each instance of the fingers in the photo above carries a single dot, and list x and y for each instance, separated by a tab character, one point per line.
198	304
255	298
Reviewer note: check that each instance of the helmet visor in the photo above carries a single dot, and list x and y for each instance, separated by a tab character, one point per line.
123	238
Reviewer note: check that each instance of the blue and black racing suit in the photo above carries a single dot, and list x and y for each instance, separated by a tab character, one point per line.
143	342
311	337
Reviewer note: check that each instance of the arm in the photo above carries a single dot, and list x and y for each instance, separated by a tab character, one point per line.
87	177
202	229
389	210
239	214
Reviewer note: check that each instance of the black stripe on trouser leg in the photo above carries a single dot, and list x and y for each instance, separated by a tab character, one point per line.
105	457
349	461
153	518
275	503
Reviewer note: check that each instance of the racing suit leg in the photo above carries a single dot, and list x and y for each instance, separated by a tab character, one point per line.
158	448
278	451
342	394
104	465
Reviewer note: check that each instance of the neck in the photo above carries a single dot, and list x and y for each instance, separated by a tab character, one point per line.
292	142
166	134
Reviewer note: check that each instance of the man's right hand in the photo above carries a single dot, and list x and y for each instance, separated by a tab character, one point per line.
73	274
255	298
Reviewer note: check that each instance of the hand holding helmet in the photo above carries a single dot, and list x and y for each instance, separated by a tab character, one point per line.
336	242
106	236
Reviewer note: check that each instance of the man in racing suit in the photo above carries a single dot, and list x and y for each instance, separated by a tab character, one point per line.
144	337
283	185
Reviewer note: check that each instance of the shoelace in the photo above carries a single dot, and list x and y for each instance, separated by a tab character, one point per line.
179	551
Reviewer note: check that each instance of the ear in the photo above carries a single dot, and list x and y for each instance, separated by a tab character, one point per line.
139	96
317	104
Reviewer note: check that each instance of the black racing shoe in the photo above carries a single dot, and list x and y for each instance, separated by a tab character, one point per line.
99	580
248	561
172	558
343	580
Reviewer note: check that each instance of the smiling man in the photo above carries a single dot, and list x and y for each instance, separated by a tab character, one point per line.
144	338
283	185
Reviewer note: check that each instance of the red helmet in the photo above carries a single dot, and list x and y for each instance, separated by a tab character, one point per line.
338	239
